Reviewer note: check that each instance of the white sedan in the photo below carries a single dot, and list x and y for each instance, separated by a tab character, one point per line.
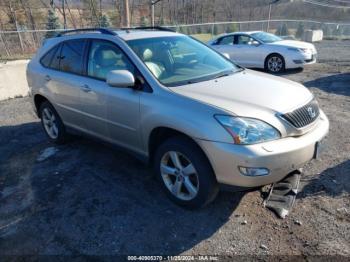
264	50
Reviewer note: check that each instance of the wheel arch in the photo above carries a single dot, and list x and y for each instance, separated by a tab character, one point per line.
38	100
160	134
271	54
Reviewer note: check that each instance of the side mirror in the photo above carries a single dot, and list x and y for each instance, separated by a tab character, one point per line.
120	78
255	43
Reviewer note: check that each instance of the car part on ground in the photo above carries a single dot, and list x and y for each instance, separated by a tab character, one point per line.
282	194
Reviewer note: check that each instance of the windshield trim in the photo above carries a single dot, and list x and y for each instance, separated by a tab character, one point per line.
191	81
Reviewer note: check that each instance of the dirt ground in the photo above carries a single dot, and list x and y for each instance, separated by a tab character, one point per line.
88	198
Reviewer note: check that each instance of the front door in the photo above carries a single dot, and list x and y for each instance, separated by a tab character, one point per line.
247	52
111	111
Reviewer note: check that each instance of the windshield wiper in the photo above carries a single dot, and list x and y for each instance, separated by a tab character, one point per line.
228	73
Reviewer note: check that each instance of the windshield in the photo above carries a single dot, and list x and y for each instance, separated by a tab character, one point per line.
266	37
179	60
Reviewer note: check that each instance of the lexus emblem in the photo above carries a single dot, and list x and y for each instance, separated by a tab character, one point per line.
311	112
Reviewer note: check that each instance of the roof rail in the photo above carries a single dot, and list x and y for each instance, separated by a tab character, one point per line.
159	28
101	30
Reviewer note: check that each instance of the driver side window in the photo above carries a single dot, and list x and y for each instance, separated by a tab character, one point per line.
244	40
104	57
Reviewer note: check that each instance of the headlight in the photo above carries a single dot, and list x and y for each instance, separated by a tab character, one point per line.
302	50
247	131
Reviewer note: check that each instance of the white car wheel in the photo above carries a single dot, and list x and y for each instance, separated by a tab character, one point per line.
275	63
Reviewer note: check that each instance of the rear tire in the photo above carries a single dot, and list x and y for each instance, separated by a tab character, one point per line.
52	123
275	64
185	173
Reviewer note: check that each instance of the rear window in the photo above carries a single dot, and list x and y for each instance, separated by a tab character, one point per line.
72	56
67	57
50	58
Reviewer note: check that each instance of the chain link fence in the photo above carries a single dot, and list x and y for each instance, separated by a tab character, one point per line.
23	44
286	28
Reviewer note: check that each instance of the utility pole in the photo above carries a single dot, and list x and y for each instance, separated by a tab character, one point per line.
153	3
270	6
126	13
64	15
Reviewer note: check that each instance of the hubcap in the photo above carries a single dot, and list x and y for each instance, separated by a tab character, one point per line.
49	121
179	175
275	64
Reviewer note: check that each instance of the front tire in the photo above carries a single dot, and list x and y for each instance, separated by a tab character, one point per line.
275	64
52	123
185	173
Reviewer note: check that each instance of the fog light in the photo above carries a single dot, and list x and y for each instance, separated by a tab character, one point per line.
253	171
297	61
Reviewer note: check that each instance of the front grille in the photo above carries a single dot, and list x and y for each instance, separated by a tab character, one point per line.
304	115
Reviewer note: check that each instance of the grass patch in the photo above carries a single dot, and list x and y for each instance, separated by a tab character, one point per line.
203	37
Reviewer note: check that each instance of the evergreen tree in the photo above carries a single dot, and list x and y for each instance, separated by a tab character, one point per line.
300	31
143	21
326	30
231	28
337	31
215	30
104	21
184	30
282	30
52	24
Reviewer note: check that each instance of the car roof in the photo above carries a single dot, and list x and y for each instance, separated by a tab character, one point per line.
244	33
134	34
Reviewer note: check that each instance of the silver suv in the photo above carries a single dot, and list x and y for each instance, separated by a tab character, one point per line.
198	118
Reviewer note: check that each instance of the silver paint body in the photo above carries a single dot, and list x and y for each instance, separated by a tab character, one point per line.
126	117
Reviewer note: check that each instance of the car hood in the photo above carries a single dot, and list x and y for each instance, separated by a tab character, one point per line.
294	43
247	92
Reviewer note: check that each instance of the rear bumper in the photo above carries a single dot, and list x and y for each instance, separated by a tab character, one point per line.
280	157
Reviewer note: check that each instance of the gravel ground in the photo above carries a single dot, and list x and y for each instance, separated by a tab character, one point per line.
88	198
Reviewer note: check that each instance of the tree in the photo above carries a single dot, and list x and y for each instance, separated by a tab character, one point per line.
104	21
215	29
282	30
231	28
300	31
337	31
143	21
53	23
326	30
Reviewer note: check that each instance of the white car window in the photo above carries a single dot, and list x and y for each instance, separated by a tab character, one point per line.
244	40
228	40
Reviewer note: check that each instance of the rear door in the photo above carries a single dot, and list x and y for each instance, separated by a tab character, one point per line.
63	78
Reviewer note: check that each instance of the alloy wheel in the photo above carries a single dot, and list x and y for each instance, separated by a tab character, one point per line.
275	64
50	123
179	175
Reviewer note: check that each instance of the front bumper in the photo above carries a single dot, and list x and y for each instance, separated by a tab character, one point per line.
280	156
301	59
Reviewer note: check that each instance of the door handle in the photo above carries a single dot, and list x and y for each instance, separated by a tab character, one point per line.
47	78
86	88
